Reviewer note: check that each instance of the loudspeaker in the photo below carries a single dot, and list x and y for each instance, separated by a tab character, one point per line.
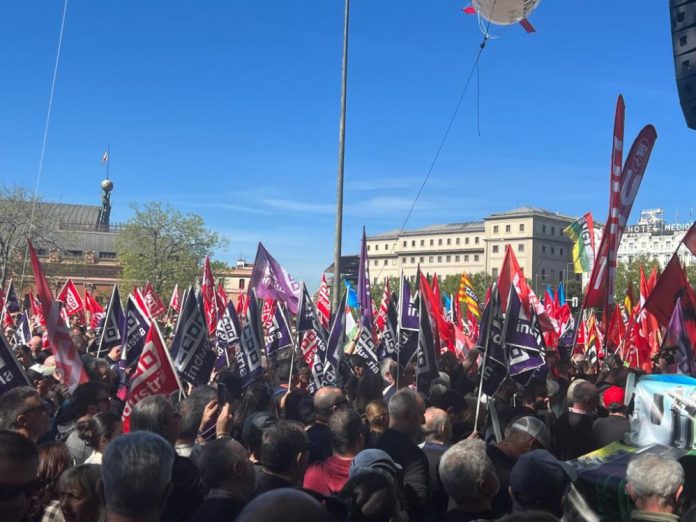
683	18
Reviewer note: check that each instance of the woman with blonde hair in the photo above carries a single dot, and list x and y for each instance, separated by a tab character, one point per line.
377	420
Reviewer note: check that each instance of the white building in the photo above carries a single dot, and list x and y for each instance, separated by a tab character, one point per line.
655	238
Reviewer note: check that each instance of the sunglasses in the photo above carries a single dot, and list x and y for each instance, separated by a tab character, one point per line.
11	491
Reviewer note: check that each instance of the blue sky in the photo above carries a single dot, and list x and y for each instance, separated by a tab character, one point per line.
230	110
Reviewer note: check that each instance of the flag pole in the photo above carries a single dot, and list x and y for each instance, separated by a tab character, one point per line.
494	295
341	157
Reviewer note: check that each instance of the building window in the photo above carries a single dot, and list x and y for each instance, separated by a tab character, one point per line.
102	255
495	249
466	258
543	229
494	272
413	243
430	259
432	242
456	259
495	229
466	240
241	284
543	249
520	247
439	242
476	240
439	259
476	258
508	228
413	260
522	227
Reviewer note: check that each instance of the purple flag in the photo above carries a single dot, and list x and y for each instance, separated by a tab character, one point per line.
364	294
11	372
226	335
271	281
408	307
494	368
133	333
677	340
334	346
523	340
278	335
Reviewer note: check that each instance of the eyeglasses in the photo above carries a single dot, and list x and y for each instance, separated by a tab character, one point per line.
11	491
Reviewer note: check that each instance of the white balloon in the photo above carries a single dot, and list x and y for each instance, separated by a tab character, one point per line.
505	12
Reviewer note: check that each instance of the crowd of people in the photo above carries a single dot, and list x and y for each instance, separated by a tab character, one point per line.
373	449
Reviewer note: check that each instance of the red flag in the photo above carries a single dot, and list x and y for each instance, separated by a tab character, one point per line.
208	293
445	329
70	298
383	307
221	299
154	375
689	239
323	303
154	304
174	303
36	311
68	361
624	187
96	311
671	285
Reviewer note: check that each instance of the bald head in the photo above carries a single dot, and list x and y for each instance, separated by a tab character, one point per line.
284	505
326	400
438	427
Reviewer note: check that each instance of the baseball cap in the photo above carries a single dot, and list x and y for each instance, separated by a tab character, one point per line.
374	459
613	395
533	427
541	477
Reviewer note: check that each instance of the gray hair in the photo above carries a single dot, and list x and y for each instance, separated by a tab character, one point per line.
651	475
402	404
137	469
463	469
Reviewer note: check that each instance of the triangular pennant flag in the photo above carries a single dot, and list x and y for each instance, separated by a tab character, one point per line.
154	375
68	362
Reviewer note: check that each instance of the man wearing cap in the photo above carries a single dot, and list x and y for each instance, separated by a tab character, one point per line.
525	434
538	481
615	426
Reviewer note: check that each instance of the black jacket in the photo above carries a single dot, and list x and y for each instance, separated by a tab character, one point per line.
416	479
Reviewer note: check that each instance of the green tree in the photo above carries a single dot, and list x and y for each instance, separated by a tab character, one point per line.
629	273
164	246
18	215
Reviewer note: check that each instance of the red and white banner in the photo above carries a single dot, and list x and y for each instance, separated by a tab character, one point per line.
155	375
68	362
624	187
70	298
174	303
323	303
153	302
208	293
